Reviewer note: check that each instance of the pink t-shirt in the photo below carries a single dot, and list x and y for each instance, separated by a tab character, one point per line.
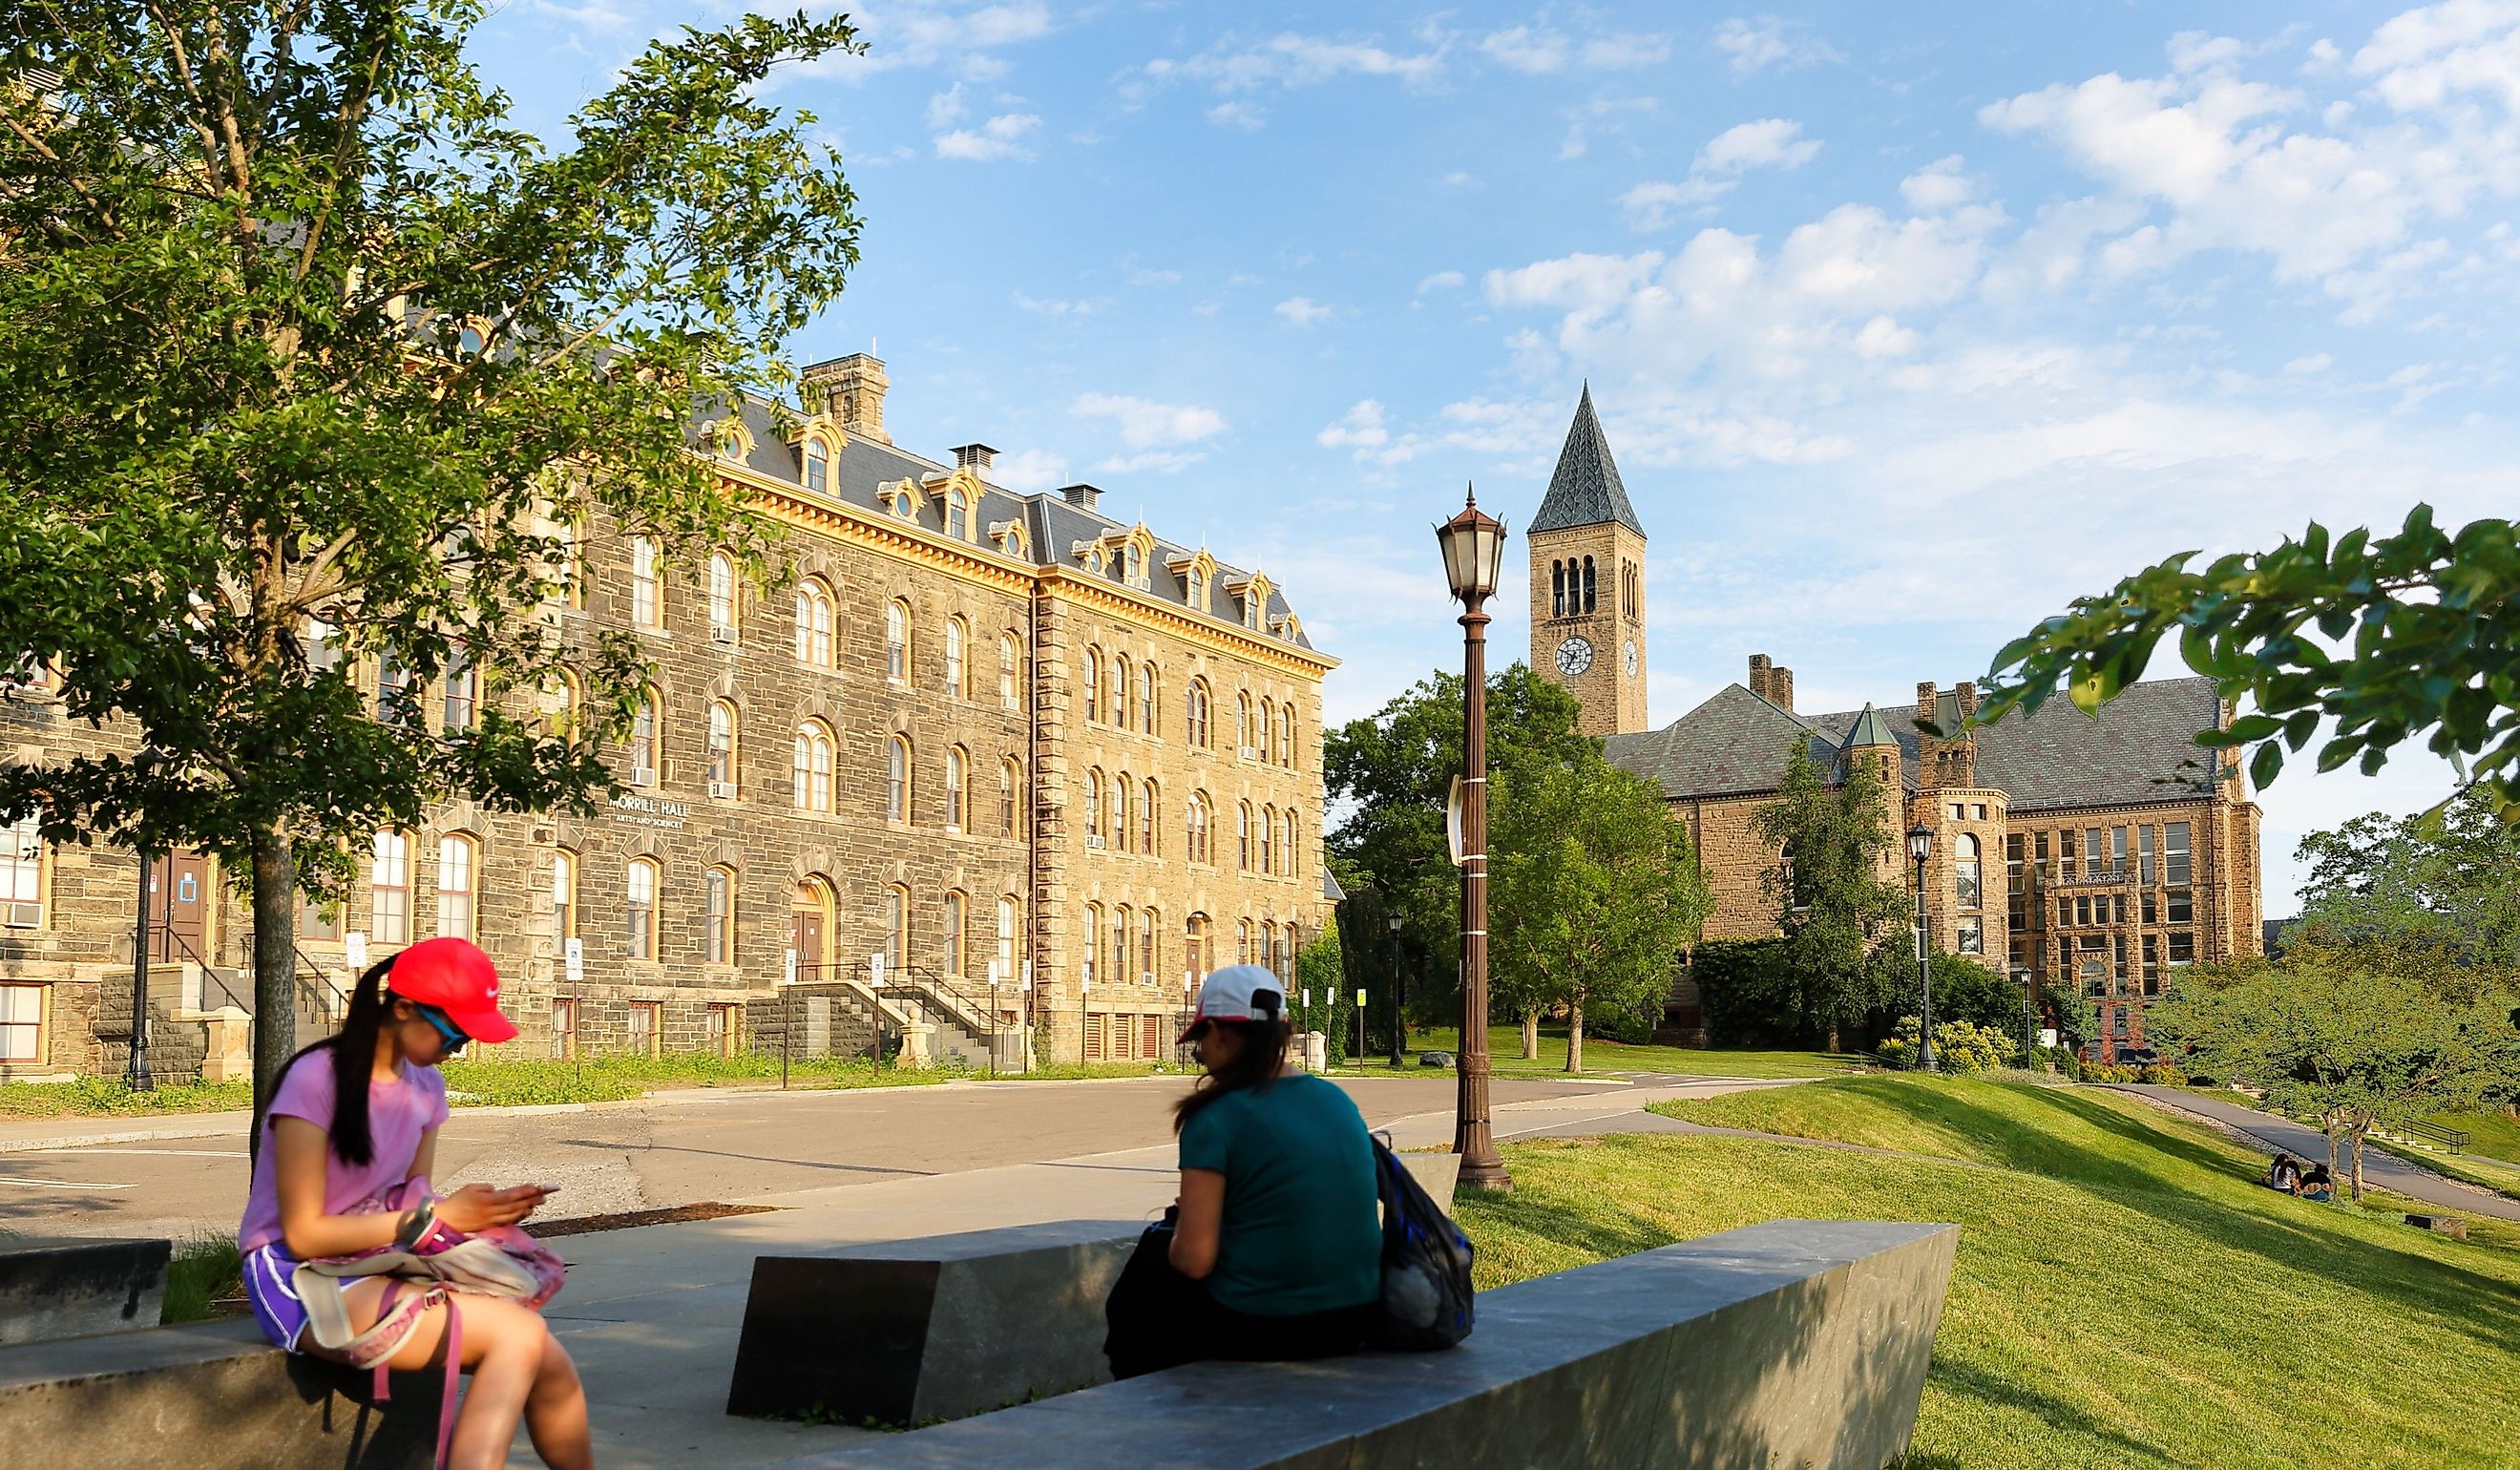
399	1113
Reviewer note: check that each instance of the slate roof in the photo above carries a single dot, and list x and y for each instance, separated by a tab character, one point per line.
1051	526
2141	748
1585	490
1870	728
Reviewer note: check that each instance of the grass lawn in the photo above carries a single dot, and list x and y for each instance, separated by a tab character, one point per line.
2125	1295
1601	1057
2488	1133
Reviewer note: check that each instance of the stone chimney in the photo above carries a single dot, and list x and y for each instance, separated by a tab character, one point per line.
1759	675
851	389
1926	695
976	458
1967	693
1781	688
1082	497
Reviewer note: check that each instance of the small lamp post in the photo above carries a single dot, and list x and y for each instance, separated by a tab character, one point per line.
1920	846
1473	545
1398	996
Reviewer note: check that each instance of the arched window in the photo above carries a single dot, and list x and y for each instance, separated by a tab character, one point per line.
1266	736
1194	948
1147	945
896	928
1964	871
721	749
1134	566
954	637
1243	837
1093	685
565	540
1286	848
814	624
1268	823
457	872
1120	691
1006	668
957	791
954	919
563	895
646	592
1093	809
1148	824
644	740
1007	908
1088	937
717	918
813	766
1195	703
1587	584
1009	780
1194	828
958	521
638	907
1242	725
1146	699
817	465
462	683
1272	953
1119	937
1287	735
897	642
1120	828
1242	942
1556	589
721	597
896	805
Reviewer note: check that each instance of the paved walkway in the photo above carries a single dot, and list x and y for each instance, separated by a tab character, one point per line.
2382	1170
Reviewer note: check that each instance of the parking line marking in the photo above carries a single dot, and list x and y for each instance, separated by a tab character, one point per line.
171	1153
6	1179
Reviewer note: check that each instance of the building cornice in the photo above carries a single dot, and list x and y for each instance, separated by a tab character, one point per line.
1086	589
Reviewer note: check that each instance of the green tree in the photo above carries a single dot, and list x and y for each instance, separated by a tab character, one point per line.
1392	773
1834	906
2350	1049
1597	896
2380	638
316	359
2433	897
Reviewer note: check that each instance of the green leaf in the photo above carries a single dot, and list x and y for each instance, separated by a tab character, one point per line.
2265	764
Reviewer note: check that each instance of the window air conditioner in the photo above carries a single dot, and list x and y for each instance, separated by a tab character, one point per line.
643	777
25	915
1250	752
721	635
722	789
1094	842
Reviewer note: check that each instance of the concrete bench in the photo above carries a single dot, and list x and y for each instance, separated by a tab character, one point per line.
1788	1344
207	1396
912	1331
75	1288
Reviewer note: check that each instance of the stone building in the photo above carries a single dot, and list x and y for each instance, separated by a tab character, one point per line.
996	767
2123	851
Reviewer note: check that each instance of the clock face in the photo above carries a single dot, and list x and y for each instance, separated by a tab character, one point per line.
1631	655
1574	655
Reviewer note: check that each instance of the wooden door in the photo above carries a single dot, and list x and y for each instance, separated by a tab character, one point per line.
179	906
805	932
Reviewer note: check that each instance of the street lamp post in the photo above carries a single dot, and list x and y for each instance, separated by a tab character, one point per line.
139	1078
1473	545
1920	846
1399	997
2029	1010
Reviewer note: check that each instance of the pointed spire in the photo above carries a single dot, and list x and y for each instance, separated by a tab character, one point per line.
1870	730
1586	490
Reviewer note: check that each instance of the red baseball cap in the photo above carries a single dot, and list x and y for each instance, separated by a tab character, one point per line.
455	976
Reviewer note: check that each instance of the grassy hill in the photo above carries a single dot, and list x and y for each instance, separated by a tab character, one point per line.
2124	1296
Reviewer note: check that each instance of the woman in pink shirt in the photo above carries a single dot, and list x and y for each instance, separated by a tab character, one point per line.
352	1119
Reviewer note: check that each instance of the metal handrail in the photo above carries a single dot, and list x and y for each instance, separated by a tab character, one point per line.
2453	1139
207	969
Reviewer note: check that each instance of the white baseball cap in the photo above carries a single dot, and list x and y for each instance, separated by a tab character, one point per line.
1238	992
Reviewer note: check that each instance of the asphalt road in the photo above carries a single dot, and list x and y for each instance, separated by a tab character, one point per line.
2379	1170
677	1150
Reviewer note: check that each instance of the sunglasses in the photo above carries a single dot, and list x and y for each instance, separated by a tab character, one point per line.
449	1033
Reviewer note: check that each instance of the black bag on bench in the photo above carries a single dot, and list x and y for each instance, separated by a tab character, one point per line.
1427	1296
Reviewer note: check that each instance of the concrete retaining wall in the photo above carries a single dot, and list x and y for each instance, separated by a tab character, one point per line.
75	1288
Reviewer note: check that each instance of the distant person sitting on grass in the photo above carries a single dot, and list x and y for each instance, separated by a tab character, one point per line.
1275	1249
343	1174
2316	1187
2283	1173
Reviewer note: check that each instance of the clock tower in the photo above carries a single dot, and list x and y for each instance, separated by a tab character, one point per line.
1588	582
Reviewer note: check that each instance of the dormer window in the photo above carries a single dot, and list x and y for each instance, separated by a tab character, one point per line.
1196	585
905	507
1135	568
1252	605
957	515
818	466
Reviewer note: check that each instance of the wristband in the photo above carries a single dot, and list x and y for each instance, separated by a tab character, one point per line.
422	1216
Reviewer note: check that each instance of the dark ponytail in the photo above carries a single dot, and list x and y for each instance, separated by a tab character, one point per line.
354	1064
1256	1063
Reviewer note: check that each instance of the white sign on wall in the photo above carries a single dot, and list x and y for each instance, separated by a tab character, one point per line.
572	959
355	949
792	966
1028	978
875	967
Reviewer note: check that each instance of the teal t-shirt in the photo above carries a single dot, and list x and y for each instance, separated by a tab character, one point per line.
1302	1228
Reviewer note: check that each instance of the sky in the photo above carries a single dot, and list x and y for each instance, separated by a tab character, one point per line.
1908	324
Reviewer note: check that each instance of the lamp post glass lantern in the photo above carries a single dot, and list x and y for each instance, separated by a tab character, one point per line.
1920	846
1473	545
1398	996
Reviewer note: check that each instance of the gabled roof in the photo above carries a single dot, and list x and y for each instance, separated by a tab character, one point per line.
1870	728
1585	491
1735	741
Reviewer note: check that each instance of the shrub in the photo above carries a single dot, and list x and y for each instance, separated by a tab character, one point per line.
2061	1059
2165	1074
2109	1072
1959	1046
1746	994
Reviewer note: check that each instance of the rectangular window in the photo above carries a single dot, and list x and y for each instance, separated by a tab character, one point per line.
2183	946
2118	966
2174	854
717	927
22	875
455	880
2118	1020
2183	907
1960	811
722	1030
2143	853
2151	967
1980	810
2091	851
2064	911
1973	936
2117	852
2083	909
462	684
644	1015
389	890
644	604
22	1023
2151	908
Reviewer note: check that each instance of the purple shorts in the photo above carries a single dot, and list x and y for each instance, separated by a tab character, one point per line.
273	1293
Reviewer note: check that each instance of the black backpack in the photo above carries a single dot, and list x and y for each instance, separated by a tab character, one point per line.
1425	1303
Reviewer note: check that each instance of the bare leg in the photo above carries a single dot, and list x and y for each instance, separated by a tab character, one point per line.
517	1369
556	1412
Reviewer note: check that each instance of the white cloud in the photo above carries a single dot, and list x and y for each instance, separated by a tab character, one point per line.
1029	469
1001	137
1606	115
1239	116
1360	427
600	15
1883	337
1442	281
1144	423
1755	45
1082	306
1303	311
914	35
2316	362
1150	461
1528	49
1292	59
1539	51
1938	186
1768	143
2426	57
946	108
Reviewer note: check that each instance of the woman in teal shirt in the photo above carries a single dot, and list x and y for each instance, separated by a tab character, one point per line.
1277	1245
